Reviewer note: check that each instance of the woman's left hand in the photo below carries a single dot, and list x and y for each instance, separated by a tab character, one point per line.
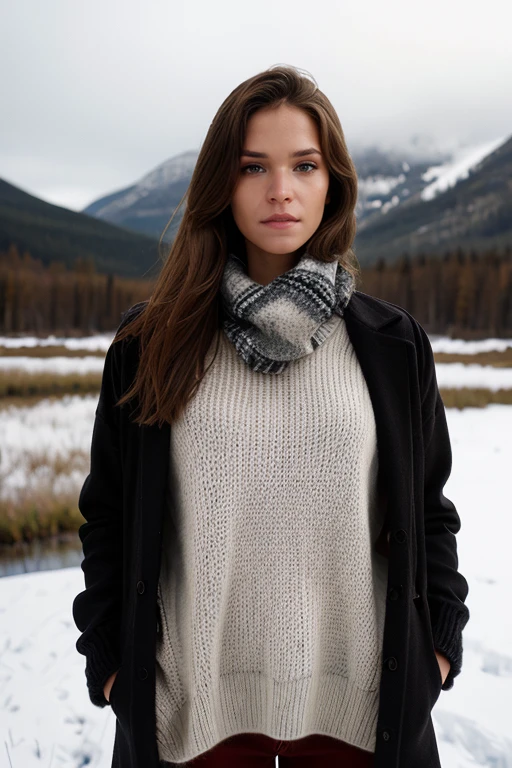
444	665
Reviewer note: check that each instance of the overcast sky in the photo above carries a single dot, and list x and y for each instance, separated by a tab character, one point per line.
94	94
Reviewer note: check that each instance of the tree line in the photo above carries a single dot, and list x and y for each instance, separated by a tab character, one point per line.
37	299
465	294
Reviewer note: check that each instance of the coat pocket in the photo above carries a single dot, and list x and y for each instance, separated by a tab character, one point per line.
434	671
116	692
433	649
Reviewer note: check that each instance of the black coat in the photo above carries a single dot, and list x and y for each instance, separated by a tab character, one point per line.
123	502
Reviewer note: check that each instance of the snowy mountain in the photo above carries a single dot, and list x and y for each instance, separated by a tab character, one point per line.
147	205
464	161
465	201
418	197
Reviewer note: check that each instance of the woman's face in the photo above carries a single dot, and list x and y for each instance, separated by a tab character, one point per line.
279	182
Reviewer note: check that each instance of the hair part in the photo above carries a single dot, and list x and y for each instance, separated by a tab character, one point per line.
178	323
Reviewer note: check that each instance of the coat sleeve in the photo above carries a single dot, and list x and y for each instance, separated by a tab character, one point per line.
97	610
447	588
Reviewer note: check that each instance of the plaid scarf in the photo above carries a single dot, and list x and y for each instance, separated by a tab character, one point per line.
290	317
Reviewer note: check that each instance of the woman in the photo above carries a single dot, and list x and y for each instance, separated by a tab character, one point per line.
265	498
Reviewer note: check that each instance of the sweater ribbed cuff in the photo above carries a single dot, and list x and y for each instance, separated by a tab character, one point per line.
447	634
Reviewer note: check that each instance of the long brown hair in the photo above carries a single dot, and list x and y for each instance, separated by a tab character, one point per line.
178	323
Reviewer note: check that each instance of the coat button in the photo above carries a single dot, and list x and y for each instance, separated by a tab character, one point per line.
143	673
392	663
394	593
140	587
400	535
386	735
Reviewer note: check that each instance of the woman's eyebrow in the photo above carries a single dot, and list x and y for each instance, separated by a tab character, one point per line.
299	153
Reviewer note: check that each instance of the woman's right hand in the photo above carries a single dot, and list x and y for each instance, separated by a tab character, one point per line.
108	685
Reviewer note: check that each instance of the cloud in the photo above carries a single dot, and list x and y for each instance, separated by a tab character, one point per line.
99	93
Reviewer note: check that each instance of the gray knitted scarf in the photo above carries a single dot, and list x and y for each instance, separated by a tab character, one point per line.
269	325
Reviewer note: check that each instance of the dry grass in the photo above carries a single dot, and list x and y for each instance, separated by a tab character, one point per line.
29	389
20	384
38	510
38	518
53	351
475	398
494	358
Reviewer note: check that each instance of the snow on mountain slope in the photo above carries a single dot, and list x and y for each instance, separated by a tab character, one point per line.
175	169
464	159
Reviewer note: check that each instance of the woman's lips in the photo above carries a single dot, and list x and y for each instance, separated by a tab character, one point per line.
279	224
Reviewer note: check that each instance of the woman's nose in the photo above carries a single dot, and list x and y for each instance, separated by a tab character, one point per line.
280	187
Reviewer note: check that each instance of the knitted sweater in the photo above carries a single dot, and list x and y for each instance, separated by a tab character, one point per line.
272	594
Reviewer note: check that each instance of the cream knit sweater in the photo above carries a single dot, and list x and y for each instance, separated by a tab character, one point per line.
271	593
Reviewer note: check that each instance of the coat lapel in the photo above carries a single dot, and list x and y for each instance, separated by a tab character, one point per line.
154	457
378	337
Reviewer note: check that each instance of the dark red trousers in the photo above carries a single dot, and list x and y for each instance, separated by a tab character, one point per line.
254	750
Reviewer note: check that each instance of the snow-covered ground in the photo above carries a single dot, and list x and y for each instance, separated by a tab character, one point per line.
51	428
473	376
102	341
62	365
59	426
463	347
47	718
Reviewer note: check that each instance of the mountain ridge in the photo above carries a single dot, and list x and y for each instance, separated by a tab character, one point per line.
53	233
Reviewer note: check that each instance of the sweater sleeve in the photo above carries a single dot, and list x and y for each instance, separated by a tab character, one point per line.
447	588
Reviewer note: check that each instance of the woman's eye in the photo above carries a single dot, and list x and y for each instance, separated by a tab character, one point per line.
246	168
311	165
254	165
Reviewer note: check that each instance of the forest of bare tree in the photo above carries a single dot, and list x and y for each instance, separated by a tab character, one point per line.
462	294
